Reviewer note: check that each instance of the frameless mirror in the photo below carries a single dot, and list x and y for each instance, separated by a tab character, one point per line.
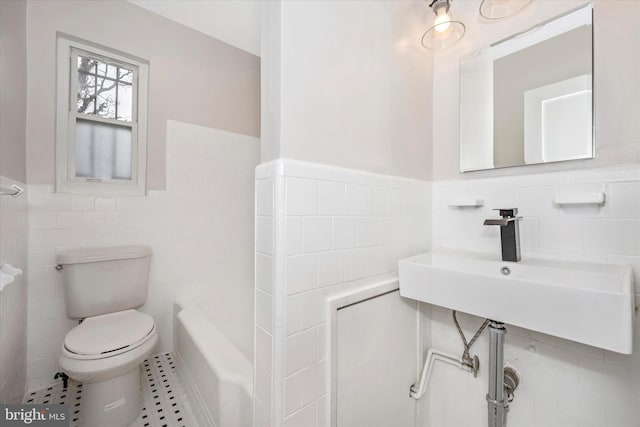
528	99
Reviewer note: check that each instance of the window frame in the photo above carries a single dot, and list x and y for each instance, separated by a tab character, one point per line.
67	116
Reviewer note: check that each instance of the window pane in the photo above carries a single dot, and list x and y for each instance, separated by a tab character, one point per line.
106	98
125	99
86	65
104	89
125	75
86	93
107	70
102	150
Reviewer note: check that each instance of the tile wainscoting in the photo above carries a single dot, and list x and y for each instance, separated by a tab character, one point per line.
200	230
320	230
563	383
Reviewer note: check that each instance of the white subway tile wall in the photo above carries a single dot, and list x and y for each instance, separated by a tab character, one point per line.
563	383
329	227
267	276
201	236
13	299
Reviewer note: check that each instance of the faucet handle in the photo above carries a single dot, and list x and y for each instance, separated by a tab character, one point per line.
508	213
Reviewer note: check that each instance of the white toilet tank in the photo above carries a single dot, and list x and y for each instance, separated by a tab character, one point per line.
104	280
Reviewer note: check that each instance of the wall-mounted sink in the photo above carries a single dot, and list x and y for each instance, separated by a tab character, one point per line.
584	302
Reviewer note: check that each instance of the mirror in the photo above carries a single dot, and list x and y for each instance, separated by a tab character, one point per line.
528	99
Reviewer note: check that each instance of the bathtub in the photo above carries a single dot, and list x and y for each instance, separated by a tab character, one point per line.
214	350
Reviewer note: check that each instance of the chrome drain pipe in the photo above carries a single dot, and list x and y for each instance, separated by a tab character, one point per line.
497	402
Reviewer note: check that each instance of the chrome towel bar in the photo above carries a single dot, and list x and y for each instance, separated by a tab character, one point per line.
14	191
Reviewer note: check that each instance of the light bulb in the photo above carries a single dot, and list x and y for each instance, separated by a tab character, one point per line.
445	30
442	21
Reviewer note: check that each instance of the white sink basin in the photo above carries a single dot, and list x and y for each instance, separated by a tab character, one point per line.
584	302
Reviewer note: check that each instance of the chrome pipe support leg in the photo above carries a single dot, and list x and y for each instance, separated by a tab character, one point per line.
497	402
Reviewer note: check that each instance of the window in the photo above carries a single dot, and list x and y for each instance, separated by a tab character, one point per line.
101	121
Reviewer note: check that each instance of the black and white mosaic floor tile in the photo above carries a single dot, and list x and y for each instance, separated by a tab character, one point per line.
164	404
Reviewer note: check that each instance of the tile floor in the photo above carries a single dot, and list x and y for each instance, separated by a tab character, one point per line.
164	404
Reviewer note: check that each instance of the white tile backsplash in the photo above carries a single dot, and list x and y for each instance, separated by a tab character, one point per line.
612	236
355	264
264	235
314	382
264	202
262	389
345	232
295	235
331	198
293	392
84	203
623	200
264	310
264	348
301	273
357	200
306	416
302	197
317	234
301	350
264	271
331	267
562	383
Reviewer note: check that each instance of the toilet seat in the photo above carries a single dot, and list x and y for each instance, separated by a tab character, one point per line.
109	334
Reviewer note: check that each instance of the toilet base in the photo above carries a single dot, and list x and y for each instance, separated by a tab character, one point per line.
115	402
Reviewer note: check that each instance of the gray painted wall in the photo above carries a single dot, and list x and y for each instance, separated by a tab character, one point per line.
193	78
13	90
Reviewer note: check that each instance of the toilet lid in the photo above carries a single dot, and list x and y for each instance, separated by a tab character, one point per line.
109	332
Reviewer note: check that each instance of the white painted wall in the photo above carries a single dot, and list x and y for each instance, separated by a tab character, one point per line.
376	358
349	85
232	21
616	85
200	230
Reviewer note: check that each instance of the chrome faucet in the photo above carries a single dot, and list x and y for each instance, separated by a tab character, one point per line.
509	233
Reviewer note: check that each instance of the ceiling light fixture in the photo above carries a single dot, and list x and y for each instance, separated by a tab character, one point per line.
445	31
494	10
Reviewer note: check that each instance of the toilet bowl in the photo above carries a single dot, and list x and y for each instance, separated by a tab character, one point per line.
104	352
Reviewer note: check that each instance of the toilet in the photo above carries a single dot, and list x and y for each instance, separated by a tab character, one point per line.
103	287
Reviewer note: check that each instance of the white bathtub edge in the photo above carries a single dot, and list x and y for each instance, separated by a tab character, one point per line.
198	406
217	376
225	363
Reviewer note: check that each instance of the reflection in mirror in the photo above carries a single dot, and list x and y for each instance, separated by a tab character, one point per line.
528	99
